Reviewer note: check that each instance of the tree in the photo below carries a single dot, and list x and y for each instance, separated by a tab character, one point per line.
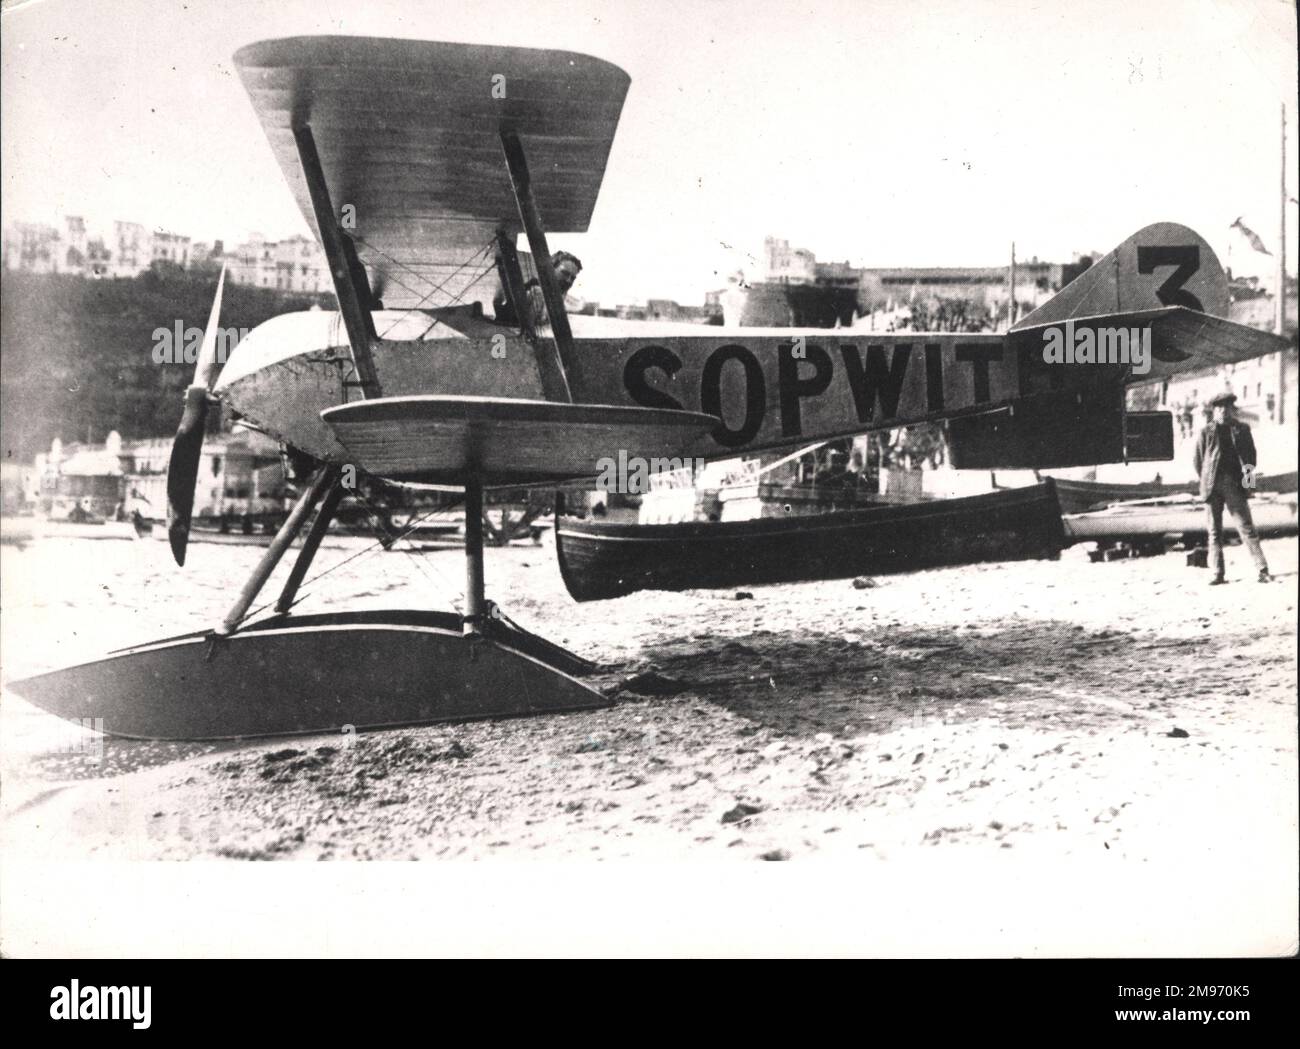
78	351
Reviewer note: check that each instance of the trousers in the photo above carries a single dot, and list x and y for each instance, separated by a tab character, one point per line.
1228	493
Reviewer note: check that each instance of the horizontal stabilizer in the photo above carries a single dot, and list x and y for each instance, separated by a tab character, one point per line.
1182	340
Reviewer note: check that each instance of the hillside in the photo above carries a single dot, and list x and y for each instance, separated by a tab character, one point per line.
76	355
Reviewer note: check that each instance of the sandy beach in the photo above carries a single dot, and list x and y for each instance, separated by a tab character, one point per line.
1051	708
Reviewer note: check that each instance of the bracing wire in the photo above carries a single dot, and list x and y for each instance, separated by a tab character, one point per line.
365	551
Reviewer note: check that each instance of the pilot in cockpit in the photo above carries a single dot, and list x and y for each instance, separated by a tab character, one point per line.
566	267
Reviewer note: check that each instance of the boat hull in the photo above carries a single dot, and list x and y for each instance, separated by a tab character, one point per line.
775	305
600	561
1272	516
1080	496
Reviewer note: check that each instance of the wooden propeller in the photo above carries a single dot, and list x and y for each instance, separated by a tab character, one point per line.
187	448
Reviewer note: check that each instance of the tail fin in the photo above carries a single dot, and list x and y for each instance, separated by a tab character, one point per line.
1164	264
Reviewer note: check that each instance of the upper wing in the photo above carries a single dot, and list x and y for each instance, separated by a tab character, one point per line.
408	136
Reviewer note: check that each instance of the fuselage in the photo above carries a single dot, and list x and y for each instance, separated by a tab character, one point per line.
769	387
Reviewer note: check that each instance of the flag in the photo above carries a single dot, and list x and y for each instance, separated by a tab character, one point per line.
1251	236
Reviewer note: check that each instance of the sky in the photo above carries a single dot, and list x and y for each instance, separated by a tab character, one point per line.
874	131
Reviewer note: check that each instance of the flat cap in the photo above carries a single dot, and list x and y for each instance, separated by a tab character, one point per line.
1222	398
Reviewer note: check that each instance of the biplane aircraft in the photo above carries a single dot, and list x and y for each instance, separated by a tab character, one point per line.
418	165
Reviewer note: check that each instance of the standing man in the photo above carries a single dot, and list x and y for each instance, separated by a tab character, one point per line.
1225	462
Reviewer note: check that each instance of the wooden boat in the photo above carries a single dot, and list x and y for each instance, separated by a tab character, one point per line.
1080	496
604	560
1179	516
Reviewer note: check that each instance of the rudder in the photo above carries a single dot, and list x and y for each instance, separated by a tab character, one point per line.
1163	264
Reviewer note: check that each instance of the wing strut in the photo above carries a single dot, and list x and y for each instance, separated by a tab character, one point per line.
512	282
551	357
343	265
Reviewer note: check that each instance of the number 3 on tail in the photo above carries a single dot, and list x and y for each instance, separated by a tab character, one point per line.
1187	259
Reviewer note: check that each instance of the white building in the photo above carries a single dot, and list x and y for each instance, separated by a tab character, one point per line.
788	265
74	249
170	247
296	264
301	266
131	248
32	246
239	473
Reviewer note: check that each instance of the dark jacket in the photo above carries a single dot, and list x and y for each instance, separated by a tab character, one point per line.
1206	458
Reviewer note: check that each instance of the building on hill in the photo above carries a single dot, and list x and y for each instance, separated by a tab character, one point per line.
295	264
207	258
785	264
74	249
132	249
172	248
38	248
300	266
99	260
252	263
32	246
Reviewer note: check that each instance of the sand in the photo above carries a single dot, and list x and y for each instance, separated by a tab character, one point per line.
1051	708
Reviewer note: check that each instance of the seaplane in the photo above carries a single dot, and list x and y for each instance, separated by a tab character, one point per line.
419	165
